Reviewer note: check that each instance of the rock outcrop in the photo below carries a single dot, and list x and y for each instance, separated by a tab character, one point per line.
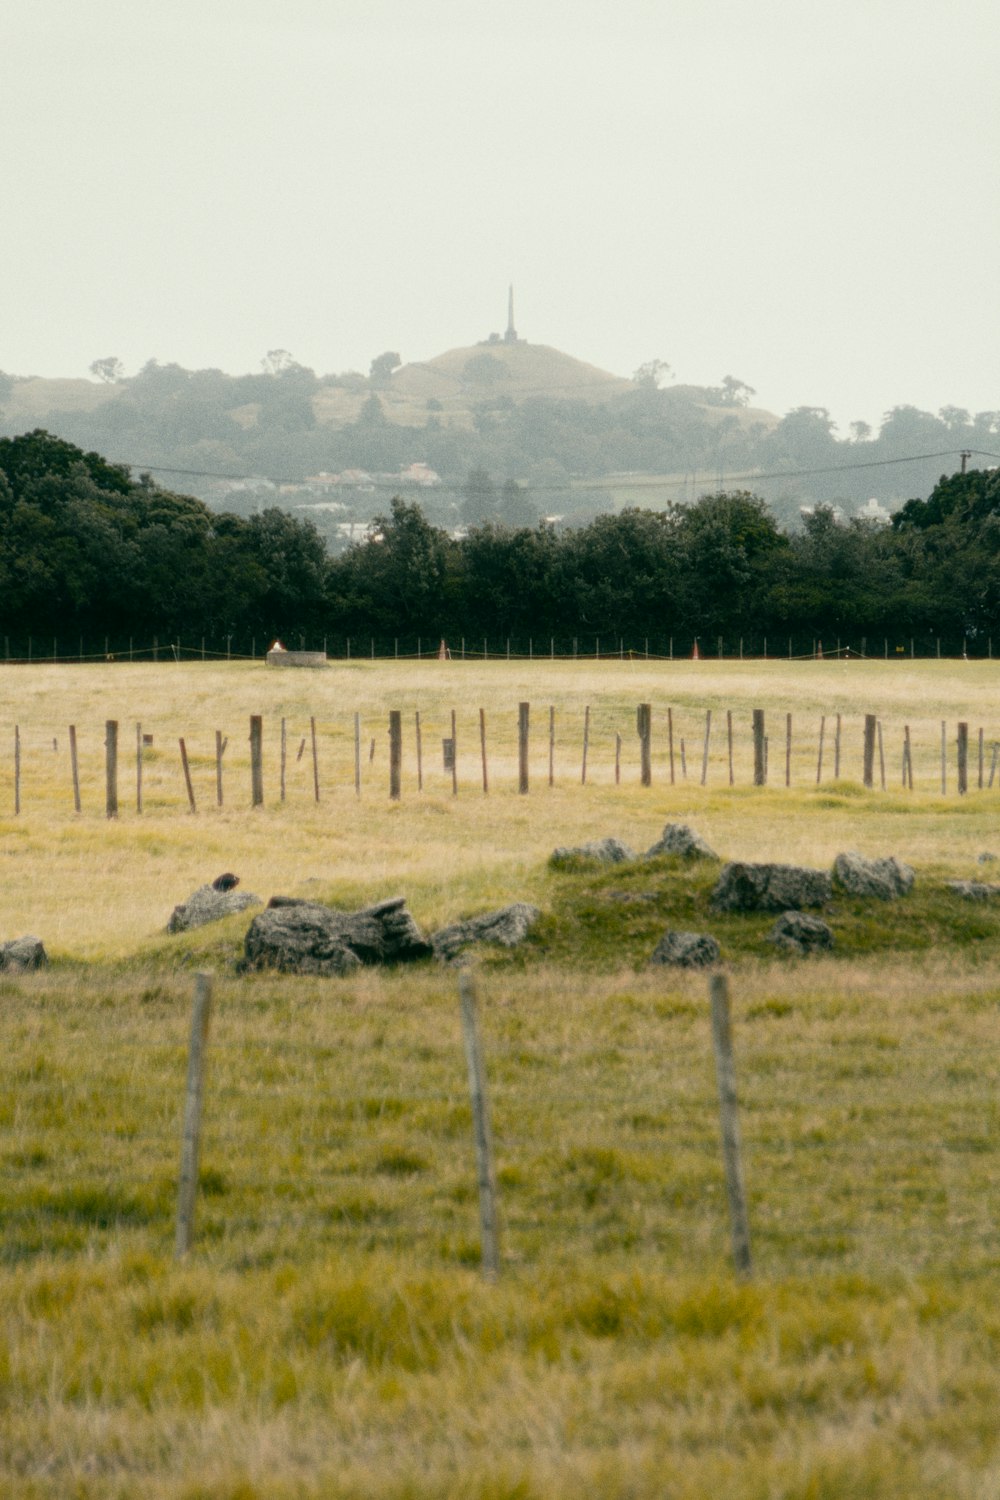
797	932
599	851
749	887
678	838
974	890
505	928
22	953
686	950
209	904
303	937
882	879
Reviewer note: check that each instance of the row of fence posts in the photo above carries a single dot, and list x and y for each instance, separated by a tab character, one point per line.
486	1178
873	741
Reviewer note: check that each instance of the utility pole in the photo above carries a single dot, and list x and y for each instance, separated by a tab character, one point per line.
965	455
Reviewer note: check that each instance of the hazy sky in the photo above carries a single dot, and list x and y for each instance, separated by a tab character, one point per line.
804	195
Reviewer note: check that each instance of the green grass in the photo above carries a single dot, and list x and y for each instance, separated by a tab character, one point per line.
330	1333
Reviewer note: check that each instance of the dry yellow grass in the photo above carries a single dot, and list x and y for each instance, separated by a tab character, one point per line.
94	888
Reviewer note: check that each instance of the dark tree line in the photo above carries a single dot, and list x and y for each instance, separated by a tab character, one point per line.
87	551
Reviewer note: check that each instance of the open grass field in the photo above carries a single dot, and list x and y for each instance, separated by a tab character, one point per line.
330	1334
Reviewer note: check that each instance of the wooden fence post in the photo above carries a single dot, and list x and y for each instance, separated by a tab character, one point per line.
963	759
420	753
881	755
759	766
191	1139
187	776
485	1173
482	752
644	724
111	767
523	711
981	756
725	1070
907	758
220	750
868	770
586	743
819	762
257	759
75	767
395	753
315	757
993	763
704	757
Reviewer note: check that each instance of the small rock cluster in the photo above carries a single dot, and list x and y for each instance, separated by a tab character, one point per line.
210	903
22	953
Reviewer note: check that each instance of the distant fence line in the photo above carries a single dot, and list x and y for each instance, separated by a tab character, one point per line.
680	758
31	649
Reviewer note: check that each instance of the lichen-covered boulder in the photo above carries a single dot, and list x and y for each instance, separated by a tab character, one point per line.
797	932
304	937
974	890
22	953
686	950
209	904
597	851
883	879
504	928
679	839
751	887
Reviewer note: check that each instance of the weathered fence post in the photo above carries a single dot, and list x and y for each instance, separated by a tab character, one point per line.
523	711
395	754
881	756
315	757
75	767
981	758
963	759
868	770
485	1173
907	758
644	725
482	752
725	1070
759	765
618	759
187	776
111	768
191	1139
257	759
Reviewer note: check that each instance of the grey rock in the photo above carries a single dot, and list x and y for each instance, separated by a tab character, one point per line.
678	838
973	890
883	879
797	932
986	858
686	950
601	851
748	887
208	904
506	928
22	953
303	937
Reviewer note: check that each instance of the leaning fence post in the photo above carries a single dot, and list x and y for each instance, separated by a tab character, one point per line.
191	1139
485	1173
111	767
256	759
868	773
187	776
75	765
963	759
725	1070
644	724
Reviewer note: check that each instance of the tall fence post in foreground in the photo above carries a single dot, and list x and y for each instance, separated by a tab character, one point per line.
725	1070
75	767
256	759
644	724
191	1139
485	1172
395	753
111	767
963	759
759	760
523	712
187	776
868	772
